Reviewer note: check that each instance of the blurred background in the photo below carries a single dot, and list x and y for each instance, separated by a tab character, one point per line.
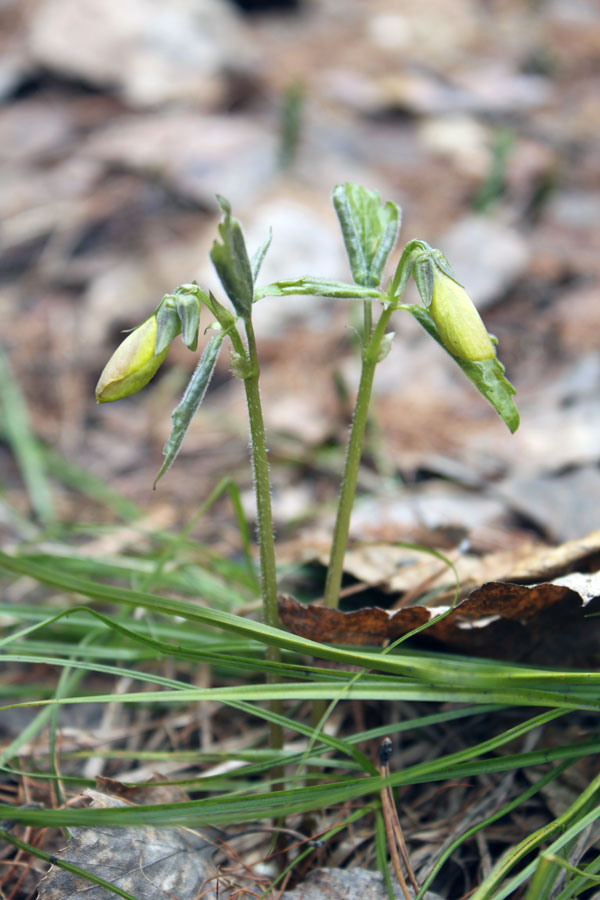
119	122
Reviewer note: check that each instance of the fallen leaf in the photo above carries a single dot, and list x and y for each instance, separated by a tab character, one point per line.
347	884
183	54
546	623
213	152
370	625
141	793
147	862
394	568
576	493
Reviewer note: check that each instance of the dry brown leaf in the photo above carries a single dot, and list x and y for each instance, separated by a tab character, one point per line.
549	623
397	569
370	625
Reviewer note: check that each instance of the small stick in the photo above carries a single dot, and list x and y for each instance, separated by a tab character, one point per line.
395	837
401	842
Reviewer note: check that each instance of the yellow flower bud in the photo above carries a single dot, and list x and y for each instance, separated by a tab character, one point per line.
459	325
132	365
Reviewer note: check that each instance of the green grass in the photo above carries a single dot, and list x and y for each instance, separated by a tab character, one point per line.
79	633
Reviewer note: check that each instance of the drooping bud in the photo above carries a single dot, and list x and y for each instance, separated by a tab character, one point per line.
132	365
459	325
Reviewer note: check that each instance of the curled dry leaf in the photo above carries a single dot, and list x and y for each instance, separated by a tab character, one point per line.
370	625
551	623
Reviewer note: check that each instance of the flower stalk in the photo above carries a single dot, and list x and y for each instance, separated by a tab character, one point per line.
371	356
264	515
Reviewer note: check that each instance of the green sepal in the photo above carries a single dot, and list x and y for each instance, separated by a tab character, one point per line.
319	287
190	402
423	272
400	278
259	255
443	264
168	325
487	375
188	310
369	229
223	315
230	259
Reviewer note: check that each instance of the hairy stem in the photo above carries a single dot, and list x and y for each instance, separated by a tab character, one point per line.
367	320
260	468
352	464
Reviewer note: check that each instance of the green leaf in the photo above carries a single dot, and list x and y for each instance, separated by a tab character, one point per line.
230	259
190	402
290	123
318	287
369	229
259	255
17	429
487	375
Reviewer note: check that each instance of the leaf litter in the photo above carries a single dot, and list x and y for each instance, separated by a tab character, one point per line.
181	863
146	862
547	623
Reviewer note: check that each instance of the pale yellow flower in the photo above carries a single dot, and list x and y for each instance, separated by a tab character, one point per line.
459	325
132	365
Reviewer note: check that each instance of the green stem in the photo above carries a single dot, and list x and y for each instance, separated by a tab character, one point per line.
367	321
264	516
353	453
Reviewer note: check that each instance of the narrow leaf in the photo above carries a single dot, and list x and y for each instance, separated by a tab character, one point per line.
318	287
190	402
17	429
259	255
487	375
230	259
369	229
